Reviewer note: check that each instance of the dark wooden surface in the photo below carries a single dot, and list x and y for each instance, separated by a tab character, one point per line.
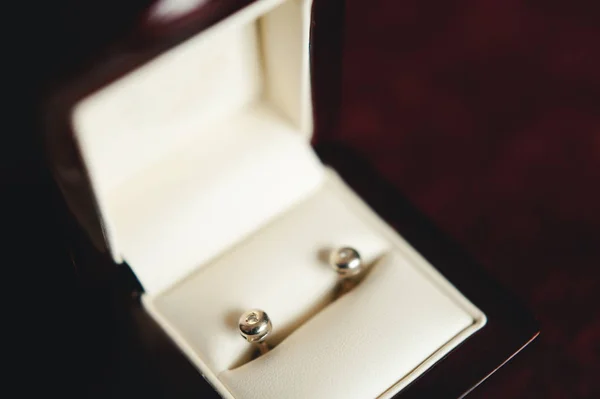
483	113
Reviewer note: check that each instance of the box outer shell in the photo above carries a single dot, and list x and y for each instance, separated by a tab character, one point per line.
120	39
109	39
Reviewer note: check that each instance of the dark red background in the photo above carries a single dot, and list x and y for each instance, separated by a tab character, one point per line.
486	114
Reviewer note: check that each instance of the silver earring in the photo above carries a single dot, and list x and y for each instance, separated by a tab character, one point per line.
254	326
347	263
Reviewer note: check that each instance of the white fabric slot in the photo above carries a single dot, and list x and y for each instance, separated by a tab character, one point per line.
280	268
204	144
414	315
361	344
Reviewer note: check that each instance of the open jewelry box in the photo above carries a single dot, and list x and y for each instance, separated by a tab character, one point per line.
200	176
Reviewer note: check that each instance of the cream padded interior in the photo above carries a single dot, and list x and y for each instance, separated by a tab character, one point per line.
361	345
181	152
170	229
413	313
279	269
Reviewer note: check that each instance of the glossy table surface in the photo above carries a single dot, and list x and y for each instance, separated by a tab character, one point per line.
484	114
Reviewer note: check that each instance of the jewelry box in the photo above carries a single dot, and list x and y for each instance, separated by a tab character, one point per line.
183	150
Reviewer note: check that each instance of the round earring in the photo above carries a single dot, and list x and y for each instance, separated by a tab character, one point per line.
254	326
347	263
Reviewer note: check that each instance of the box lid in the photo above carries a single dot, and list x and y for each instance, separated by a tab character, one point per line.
169	154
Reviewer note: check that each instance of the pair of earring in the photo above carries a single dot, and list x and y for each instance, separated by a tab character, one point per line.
255	325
